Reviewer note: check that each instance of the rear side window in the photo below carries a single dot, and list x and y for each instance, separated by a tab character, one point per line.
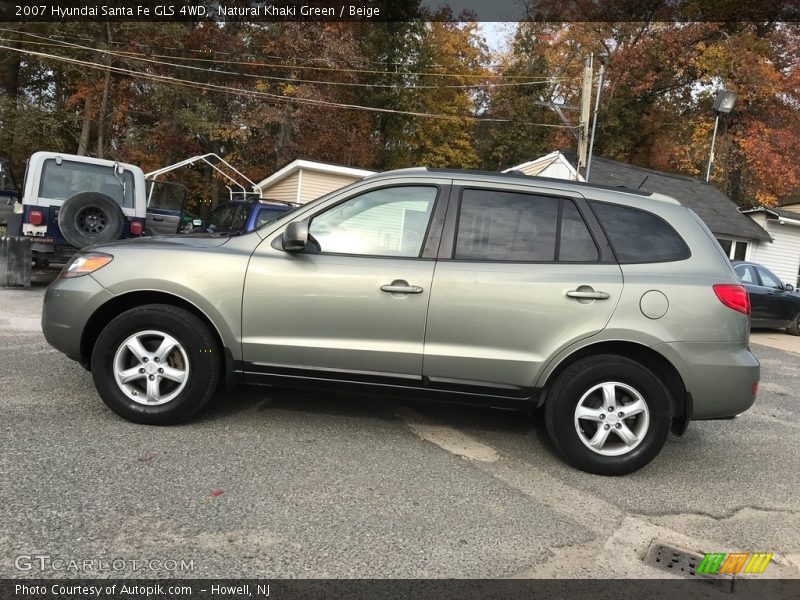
638	236
513	226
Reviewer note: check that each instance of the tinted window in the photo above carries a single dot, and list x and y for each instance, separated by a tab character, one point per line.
575	242
240	219
385	222
639	236
768	279
495	225
59	182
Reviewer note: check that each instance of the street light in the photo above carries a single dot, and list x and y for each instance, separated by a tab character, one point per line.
723	103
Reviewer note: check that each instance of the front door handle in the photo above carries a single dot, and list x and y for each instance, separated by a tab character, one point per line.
587	295
399	286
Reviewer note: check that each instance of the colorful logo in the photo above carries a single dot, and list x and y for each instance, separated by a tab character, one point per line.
719	563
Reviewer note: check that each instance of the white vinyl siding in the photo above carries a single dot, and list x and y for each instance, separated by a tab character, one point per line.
285	189
316	184
305	185
782	256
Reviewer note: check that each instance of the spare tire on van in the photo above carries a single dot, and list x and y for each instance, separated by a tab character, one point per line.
89	218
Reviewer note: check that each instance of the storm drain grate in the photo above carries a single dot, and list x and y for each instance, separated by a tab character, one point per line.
676	561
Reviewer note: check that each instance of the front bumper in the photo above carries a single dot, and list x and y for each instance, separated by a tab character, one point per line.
68	305
718	375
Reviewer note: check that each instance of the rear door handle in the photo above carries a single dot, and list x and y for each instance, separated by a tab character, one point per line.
158	218
587	295
401	287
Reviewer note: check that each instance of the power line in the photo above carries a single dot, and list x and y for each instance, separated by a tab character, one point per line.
306	67
271	56
126	55
275	97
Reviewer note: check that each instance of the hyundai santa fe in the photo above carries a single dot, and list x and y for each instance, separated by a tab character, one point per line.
615	310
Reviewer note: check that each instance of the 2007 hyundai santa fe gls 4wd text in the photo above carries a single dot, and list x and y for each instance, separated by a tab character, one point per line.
616	310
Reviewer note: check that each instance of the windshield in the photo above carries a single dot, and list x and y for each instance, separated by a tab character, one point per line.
59	182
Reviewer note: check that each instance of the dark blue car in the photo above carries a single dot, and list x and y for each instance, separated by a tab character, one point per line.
243	215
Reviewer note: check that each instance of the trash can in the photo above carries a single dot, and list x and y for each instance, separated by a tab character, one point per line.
15	261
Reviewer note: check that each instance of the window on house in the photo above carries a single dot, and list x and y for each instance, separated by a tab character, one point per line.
734	249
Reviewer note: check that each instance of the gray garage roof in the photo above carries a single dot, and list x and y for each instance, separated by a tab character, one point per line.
719	212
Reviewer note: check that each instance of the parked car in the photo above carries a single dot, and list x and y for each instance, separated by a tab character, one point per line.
239	216
774	304
613	309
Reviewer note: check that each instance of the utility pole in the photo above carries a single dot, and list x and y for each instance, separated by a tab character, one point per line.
586	109
594	117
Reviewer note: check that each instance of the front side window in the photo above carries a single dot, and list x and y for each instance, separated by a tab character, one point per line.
513	226
59	182
266	215
165	196
769	280
638	236
386	222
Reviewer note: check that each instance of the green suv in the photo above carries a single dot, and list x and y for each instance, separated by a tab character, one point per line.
615	310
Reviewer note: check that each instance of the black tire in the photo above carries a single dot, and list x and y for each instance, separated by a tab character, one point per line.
199	356
89	218
794	328
578	379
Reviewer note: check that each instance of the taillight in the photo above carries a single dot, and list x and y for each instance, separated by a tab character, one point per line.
136	228
35	217
733	296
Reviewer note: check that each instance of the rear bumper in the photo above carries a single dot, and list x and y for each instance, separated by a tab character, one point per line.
68	304
719	376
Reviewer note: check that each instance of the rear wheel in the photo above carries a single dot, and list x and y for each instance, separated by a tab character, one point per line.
608	415
156	364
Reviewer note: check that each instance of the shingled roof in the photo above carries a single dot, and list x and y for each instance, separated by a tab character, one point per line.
719	212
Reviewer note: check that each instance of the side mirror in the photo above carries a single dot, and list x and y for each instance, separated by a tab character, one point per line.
197	223
788	287
295	236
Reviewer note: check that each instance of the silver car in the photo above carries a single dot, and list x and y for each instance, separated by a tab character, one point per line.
615	310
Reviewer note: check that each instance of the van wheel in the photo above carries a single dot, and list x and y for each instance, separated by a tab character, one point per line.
156	364
608	415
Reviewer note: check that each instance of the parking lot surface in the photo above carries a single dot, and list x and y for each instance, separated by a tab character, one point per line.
274	483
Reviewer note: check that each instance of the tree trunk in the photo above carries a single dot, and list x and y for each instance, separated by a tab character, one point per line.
86	129
9	80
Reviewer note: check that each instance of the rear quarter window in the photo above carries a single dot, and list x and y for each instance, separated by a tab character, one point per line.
638	236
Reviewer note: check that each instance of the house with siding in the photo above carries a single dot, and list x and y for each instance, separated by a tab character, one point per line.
304	180
782	256
742	237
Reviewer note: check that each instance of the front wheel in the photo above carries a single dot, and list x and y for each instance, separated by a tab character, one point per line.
794	328
608	415
156	364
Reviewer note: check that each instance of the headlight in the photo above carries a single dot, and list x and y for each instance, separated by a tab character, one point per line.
85	264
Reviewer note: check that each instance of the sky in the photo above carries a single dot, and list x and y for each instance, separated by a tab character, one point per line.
497	34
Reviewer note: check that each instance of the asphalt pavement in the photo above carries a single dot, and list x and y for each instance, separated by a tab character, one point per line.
270	483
